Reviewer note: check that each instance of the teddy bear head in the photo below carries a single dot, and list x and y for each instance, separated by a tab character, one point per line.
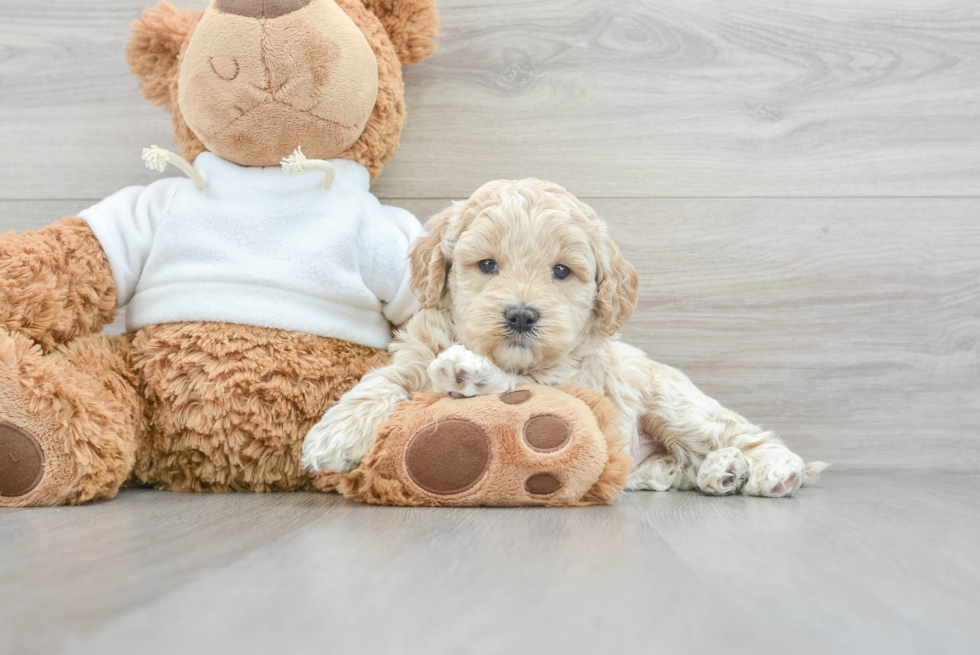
252	80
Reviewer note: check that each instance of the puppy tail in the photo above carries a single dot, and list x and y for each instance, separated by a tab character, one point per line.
813	471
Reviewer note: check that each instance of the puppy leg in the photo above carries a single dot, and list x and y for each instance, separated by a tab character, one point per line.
461	373
344	434
732	452
729	452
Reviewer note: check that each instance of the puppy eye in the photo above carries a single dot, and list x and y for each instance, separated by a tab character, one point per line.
561	272
488	266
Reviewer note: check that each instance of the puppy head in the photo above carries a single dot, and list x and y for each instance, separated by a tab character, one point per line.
527	271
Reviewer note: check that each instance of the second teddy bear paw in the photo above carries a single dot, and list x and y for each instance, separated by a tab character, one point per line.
533	446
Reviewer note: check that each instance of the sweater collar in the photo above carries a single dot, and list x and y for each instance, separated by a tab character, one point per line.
221	173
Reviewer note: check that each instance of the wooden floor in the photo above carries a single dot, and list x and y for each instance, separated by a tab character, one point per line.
798	183
864	563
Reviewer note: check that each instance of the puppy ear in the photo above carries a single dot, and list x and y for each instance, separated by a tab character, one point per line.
412	26
154	46
618	290
429	265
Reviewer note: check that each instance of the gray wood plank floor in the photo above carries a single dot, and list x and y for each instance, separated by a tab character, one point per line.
862	563
798	183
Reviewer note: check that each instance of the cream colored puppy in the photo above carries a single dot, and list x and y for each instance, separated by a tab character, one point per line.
521	284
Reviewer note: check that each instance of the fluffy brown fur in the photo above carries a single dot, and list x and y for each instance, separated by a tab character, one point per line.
592	467
412	24
613	477
55	284
80	402
229	405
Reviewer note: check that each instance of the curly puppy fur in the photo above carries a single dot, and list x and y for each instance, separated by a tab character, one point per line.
399	32
680	438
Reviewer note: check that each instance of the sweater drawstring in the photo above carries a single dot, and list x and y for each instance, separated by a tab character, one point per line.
156	159
297	164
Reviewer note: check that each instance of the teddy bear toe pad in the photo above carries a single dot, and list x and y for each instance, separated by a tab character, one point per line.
546	434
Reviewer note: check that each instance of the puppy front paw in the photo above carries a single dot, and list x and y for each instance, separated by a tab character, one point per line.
461	373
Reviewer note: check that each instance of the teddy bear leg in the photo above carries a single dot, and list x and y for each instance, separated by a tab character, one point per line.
230	404
69	420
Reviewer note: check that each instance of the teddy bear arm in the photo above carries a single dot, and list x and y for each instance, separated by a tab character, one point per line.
56	284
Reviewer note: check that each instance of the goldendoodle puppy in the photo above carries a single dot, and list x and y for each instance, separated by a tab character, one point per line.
521	284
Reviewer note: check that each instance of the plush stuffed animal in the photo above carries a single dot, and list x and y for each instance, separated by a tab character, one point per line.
534	446
255	298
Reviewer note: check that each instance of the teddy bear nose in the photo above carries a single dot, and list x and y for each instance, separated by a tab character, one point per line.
260	8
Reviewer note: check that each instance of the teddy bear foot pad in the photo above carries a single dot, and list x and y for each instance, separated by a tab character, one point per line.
21	461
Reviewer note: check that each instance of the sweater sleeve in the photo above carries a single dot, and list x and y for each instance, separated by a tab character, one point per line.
124	224
385	244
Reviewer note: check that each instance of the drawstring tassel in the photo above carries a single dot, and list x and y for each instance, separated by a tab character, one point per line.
297	164
156	159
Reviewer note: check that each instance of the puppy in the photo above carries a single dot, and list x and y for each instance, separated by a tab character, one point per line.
521	284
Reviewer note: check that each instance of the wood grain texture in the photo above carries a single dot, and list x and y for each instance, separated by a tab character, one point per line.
624	98
862	563
850	326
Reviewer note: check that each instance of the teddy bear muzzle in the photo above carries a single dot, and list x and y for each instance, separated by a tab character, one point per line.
261	78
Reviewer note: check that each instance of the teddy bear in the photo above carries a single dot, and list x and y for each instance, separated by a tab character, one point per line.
255	294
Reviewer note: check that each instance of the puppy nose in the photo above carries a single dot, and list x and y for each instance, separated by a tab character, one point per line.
521	318
260	8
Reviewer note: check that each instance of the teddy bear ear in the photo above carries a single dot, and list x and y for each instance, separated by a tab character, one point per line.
412	26
154	46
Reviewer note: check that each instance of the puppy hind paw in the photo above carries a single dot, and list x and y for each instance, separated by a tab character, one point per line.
776	477
723	472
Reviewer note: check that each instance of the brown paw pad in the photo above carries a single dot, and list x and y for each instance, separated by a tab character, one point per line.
516	397
448	457
546	434
21	461
542	484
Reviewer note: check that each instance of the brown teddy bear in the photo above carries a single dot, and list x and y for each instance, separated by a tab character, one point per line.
254	298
